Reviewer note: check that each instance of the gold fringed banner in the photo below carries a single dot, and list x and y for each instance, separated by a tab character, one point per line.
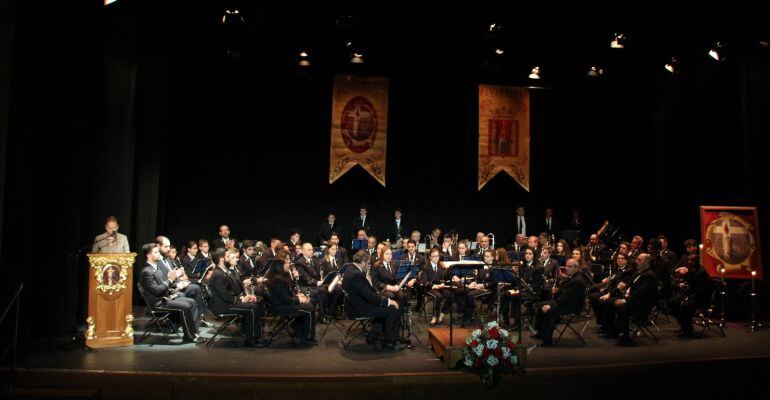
359	126
503	133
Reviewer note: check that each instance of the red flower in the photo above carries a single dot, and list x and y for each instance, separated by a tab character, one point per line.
494	333
474	343
487	352
499	352
477	363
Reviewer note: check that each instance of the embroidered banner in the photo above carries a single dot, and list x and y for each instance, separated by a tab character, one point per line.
359	126
730	238
503	133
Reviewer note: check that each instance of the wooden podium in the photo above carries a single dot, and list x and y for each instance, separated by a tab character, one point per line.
110	285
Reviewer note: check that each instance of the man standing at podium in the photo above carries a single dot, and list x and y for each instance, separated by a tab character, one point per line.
110	241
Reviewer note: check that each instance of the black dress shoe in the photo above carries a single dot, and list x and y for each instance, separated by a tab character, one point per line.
546	343
310	342
256	343
389	346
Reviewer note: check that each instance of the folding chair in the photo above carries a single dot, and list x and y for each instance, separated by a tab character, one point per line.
358	329
160	319
227	319
566	322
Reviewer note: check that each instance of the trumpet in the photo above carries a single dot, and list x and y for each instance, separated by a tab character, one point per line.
491	237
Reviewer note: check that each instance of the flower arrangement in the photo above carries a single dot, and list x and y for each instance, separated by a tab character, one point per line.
491	352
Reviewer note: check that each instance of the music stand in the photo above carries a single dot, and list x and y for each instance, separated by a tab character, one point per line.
358	244
201	266
404	268
459	267
503	275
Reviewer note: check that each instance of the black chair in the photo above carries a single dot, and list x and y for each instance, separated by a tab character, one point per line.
160	319
705	320
641	325
358	329
566	322
227	320
276	323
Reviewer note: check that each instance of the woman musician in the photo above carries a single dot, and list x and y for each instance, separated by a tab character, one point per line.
434	280
283	301
329	265
384	279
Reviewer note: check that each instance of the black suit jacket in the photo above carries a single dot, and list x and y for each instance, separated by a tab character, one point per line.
342	256
219	243
543	226
247	266
394	232
643	293
189	264
225	290
429	277
358	224
418	258
382	277
266	257
570	297
362	297
309	272
154	284
326	232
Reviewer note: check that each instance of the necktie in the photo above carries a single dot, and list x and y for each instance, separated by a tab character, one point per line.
388	267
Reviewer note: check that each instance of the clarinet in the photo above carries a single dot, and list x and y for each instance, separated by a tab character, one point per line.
294	279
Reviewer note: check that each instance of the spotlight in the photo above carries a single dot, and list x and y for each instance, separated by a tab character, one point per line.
232	16
595	71
764	43
673	66
535	74
618	41
717	51
108	2
499	51
495	27
357	57
303	58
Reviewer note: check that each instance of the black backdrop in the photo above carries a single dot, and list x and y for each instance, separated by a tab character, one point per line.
136	110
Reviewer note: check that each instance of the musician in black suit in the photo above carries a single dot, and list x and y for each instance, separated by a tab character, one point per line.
361	222
364	301
549	224
384	279
330	264
433	279
692	289
520	224
594	250
551	272
612	288
224	240
268	255
157	287
203	250
325	233
483	245
396	227
284	302
483	285
342	252
182	283
568	299
295	237
641	296
190	259
246	264
310	279
411	255
228	297
448	251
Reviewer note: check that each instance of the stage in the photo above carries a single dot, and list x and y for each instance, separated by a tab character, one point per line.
156	369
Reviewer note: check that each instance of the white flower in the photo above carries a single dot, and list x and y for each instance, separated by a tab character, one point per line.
514	359
468	361
479	350
491	324
503	333
492	361
475	334
506	352
492	344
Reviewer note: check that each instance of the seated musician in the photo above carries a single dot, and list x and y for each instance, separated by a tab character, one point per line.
483	246
551	272
190	259
342	253
448	252
411	254
384	279
372	247
228	295
157	286
463	252
483	285
433	279
577	255
380	249
691	290
182	283
416	236
246	264
330	265
283	300
638	300
562	252
311	281
275	244
327	229
294	237
364	301
203	249
510	298
568	299
611	289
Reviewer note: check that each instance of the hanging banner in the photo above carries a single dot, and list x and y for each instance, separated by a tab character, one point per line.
731	245
359	126
503	133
